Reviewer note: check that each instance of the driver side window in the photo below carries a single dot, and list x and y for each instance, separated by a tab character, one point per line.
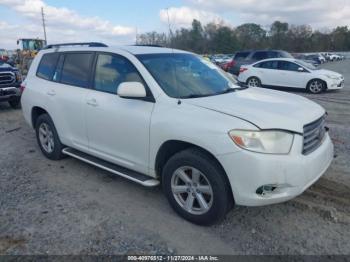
112	70
288	66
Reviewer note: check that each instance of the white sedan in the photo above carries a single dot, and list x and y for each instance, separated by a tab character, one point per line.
288	72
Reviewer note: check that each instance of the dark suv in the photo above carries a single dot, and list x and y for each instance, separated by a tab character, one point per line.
10	82
251	56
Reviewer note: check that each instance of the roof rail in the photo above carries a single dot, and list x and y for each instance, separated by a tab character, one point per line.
148	45
89	44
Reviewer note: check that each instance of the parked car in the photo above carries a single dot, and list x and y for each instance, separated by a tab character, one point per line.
10	83
286	72
321	58
250	57
332	57
310	59
162	116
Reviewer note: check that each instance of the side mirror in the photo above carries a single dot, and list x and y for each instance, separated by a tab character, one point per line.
131	90
300	69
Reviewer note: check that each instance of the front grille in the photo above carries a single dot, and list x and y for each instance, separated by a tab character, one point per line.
7	78
313	135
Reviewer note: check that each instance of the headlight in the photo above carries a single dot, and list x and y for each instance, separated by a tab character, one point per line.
332	76
268	142
18	76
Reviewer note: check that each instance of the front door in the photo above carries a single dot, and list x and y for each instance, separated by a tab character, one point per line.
118	128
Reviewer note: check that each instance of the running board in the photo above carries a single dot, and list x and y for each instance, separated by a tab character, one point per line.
113	168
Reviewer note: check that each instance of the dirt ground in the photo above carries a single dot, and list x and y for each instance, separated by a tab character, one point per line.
69	207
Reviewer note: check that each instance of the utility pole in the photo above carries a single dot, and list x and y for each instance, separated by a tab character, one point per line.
43	19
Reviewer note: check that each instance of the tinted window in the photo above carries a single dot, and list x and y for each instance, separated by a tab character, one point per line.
268	65
288	66
112	70
260	55
284	54
47	66
241	55
76	69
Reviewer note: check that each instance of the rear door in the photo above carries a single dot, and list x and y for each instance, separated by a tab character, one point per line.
71	82
267	72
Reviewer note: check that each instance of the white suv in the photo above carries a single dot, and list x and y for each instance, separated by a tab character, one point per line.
161	116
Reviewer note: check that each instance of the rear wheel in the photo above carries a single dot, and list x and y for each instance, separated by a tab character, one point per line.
254	82
47	138
196	187
316	86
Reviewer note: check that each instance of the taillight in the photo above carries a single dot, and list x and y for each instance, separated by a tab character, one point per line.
22	87
242	69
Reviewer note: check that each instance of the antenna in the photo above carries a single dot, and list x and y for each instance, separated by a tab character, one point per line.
136	32
172	49
169	27
44	26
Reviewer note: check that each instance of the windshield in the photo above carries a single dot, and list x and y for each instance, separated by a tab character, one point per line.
187	75
32	44
307	65
285	54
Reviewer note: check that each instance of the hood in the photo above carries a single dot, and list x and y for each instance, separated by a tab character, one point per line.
267	109
328	72
6	67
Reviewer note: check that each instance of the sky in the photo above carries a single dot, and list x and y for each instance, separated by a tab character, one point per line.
117	22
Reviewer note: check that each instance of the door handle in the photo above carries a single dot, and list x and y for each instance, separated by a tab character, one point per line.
51	93
92	102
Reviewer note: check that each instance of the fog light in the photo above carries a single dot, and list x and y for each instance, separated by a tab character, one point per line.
266	189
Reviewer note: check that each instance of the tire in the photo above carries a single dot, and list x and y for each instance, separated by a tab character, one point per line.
253	82
50	143
212	187
15	103
316	86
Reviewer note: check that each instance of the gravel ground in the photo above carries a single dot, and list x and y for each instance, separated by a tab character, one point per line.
69	207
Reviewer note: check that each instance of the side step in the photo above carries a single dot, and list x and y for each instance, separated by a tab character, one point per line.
113	168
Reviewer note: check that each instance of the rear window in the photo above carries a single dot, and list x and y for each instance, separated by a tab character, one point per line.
76	69
241	55
47	66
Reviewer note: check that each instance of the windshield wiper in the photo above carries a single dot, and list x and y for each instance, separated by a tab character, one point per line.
228	90
194	96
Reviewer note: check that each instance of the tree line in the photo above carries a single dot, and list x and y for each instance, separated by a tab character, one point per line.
215	38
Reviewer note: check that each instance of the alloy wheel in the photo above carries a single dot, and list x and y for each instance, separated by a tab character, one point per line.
253	82
46	138
192	190
316	86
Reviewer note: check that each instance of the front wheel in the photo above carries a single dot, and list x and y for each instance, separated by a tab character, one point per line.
316	86
196	187
254	82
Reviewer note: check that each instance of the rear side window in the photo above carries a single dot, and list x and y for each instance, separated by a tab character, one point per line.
287	66
241	55
47	66
76	69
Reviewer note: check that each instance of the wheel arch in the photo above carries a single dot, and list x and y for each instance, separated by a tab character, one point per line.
35	113
171	147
